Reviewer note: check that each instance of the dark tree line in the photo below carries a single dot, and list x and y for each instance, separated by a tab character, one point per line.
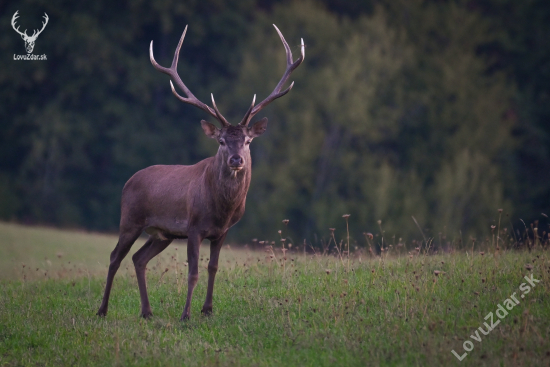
433	109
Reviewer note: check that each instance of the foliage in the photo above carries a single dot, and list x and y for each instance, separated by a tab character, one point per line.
431	109
383	124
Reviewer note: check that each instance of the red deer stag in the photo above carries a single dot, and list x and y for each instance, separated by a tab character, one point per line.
193	202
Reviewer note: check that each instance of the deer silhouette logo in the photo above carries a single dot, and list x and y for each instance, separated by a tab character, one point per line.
29	40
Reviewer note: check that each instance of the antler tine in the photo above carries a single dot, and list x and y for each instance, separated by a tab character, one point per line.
43	24
219	115
290	66
246	118
173	73
285	44
13	20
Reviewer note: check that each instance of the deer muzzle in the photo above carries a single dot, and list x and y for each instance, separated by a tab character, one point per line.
236	162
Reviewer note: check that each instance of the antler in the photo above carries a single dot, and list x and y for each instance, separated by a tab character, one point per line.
35	35
13	19
290	66
191	99
24	34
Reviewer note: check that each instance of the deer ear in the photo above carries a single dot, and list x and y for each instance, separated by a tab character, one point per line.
258	128
210	130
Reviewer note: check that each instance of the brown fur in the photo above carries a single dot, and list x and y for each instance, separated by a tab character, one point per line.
195	202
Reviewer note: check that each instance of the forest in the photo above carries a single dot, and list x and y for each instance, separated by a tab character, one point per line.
432	109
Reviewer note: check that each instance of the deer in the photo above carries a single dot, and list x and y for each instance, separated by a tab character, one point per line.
196	202
29	40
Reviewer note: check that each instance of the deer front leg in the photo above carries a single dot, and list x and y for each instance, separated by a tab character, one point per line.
193	247
215	247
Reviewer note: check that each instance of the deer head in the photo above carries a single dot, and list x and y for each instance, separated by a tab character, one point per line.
234	140
234	143
29	40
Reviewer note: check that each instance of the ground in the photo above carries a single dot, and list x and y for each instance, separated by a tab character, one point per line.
390	310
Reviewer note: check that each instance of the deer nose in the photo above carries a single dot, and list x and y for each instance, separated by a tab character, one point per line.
236	161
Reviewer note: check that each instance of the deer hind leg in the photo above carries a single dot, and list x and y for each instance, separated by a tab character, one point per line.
152	248
193	247
125	242
215	247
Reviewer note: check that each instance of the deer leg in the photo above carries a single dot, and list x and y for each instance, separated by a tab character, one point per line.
141	258
125	242
193	247
215	247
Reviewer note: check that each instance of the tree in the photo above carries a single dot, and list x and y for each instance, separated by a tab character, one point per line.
384	122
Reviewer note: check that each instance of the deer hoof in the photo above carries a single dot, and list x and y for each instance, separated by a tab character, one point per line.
206	311
184	318
101	313
147	315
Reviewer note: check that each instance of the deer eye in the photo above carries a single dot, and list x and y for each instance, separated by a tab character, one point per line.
247	142
221	142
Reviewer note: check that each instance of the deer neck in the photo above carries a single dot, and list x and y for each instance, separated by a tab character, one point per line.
229	188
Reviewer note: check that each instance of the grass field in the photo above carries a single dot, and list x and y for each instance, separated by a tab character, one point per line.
308	310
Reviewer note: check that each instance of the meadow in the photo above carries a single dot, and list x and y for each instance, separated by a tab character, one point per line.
272	307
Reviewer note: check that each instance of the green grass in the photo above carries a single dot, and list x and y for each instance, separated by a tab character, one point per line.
50	250
385	311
